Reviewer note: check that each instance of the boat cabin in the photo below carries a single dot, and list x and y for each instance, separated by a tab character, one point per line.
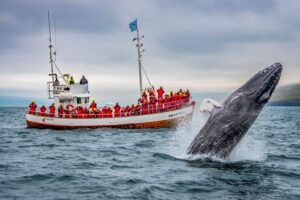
74	94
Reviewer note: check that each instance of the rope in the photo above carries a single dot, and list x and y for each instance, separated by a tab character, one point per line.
146	76
60	72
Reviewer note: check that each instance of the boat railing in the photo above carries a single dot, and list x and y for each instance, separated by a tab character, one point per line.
78	88
151	109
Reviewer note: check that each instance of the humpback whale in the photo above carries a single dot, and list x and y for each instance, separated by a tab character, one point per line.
228	123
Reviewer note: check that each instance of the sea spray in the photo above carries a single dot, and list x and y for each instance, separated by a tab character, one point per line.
251	147
183	136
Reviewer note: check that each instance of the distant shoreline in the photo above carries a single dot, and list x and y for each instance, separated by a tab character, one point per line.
289	104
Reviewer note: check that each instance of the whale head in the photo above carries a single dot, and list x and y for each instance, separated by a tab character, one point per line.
257	90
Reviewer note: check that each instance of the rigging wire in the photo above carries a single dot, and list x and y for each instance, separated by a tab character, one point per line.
60	72
147	76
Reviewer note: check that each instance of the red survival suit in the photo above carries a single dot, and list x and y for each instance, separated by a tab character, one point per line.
32	108
60	111
51	111
117	110
160	93
42	111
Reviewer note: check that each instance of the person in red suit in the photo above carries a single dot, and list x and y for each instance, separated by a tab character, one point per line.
160	105
32	108
96	112
160	92
51	110
104	112
85	112
166	103
132	110
117	109
93	105
151	93
127	111
67	113
109	112
152	105
60	111
137	109
188	95
42	111
144	106
123	112
79	111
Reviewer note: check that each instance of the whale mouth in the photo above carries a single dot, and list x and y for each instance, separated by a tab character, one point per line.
270	78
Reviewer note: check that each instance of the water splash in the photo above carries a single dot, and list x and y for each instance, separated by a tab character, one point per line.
184	135
251	147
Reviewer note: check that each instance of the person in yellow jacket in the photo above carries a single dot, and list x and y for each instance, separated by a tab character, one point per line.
71	80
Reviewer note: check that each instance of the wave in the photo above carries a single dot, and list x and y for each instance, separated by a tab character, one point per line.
166	156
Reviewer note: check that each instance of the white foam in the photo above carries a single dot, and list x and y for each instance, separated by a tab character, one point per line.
184	135
249	148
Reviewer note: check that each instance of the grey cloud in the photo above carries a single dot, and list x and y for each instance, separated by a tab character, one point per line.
225	7
25	17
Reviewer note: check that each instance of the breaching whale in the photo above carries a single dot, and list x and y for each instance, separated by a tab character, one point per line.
227	124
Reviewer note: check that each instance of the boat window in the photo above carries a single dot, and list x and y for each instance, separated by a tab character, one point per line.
86	100
78	100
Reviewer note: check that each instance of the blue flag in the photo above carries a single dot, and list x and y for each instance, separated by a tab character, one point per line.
133	25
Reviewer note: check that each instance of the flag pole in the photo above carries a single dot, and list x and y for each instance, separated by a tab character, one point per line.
139	59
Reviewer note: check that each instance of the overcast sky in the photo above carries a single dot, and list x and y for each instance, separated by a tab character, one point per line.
202	45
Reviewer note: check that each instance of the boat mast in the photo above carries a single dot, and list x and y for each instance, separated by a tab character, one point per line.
139	51
50	48
139	60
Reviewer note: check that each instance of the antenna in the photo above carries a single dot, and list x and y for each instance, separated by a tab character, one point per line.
50	54
50	46
55	45
52	62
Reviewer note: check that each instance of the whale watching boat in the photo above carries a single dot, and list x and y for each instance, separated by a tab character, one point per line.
71	107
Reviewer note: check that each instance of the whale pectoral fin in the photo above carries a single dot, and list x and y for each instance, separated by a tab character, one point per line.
208	105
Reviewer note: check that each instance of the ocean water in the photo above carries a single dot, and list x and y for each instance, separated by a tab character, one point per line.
148	164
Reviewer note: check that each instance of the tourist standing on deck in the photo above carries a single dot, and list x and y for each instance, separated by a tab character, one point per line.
85	113
104	112
166	102
93	105
51	110
132	108
42	111
160	104
137	109
160	92
83	80
117	109
32	107
79	111
144	106
60	111
71	81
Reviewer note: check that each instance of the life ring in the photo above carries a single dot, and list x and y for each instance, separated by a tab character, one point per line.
70	106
